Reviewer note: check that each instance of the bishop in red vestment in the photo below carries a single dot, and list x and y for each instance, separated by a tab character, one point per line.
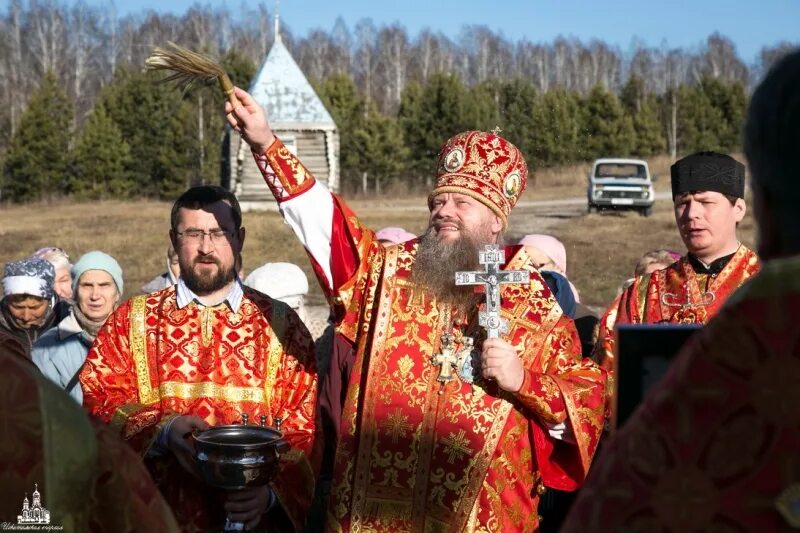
708	193
205	352
439	428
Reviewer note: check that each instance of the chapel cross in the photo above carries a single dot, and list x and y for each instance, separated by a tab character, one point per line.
446	359
492	257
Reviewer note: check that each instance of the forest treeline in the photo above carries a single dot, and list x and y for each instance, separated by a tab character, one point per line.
79	117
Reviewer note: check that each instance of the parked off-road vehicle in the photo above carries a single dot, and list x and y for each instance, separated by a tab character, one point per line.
621	184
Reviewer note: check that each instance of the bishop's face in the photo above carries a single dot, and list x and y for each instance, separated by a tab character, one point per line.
459	228
454	214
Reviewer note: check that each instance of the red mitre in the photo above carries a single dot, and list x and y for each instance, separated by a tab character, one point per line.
483	166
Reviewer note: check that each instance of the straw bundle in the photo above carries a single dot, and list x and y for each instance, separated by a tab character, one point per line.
189	67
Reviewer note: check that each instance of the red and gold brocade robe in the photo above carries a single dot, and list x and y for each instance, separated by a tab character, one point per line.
714	446
88	478
676	295
416	456
152	361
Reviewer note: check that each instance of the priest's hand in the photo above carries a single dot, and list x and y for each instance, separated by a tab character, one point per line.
250	120
500	362
248	505
179	440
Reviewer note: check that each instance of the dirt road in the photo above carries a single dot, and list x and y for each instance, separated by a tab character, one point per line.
539	216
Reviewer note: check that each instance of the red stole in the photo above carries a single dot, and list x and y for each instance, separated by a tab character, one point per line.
677	295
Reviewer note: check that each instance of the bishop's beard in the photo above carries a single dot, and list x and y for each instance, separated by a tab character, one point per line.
438	261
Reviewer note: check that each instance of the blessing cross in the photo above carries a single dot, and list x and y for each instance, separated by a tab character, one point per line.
446	359
492	257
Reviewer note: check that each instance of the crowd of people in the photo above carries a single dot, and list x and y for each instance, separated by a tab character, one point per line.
414	402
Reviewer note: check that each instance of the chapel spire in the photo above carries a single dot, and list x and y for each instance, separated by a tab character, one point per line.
277	21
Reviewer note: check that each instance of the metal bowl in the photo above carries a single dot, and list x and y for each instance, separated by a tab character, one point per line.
238	456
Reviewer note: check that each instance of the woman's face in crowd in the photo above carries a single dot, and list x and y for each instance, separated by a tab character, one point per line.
63	284
97	294
28	311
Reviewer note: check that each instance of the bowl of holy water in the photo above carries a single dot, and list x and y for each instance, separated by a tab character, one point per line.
239	456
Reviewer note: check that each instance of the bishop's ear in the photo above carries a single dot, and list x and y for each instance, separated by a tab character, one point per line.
497	224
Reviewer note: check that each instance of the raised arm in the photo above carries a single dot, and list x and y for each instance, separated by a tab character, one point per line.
336	242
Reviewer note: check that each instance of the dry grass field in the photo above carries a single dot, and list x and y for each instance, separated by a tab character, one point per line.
601	248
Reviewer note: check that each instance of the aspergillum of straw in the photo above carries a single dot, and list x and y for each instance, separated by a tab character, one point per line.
189	67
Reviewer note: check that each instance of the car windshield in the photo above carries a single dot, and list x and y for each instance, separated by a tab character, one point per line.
620	170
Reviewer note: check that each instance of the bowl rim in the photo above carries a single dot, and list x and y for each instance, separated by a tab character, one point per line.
198	437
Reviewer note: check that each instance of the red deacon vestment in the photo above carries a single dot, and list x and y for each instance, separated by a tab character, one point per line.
714	445
415	455
676	295
152	361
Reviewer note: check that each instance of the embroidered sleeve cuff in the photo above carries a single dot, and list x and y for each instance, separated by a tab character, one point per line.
540	394
283	172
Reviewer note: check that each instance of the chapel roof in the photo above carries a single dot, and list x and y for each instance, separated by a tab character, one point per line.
283	90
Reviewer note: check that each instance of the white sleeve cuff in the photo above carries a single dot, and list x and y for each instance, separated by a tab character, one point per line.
561	431
310	216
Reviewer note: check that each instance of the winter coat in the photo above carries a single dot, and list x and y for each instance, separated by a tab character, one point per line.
27	337
60	352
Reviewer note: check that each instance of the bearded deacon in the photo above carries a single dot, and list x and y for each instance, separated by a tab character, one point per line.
440	428
205	352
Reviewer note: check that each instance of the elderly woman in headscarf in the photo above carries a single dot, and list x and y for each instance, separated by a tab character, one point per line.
549	255
60	261
61	351
283	281
30	306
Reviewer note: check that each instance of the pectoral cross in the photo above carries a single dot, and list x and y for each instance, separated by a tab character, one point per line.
446	359
492	257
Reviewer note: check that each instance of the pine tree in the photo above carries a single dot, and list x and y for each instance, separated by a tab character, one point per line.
340	96
519	121
484	112
414	126
643	109
160	128
36	165
101	160
382	152
554	138
607	132
698	121
731	101
239	67
444	109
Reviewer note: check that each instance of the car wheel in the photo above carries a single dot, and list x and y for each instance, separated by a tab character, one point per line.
592	209
646	211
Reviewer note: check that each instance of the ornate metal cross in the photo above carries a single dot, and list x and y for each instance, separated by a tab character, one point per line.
492	257
446	359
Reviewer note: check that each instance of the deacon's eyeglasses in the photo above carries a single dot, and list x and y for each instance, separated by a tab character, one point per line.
218	236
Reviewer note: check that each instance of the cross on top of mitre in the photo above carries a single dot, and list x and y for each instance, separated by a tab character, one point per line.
492	257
